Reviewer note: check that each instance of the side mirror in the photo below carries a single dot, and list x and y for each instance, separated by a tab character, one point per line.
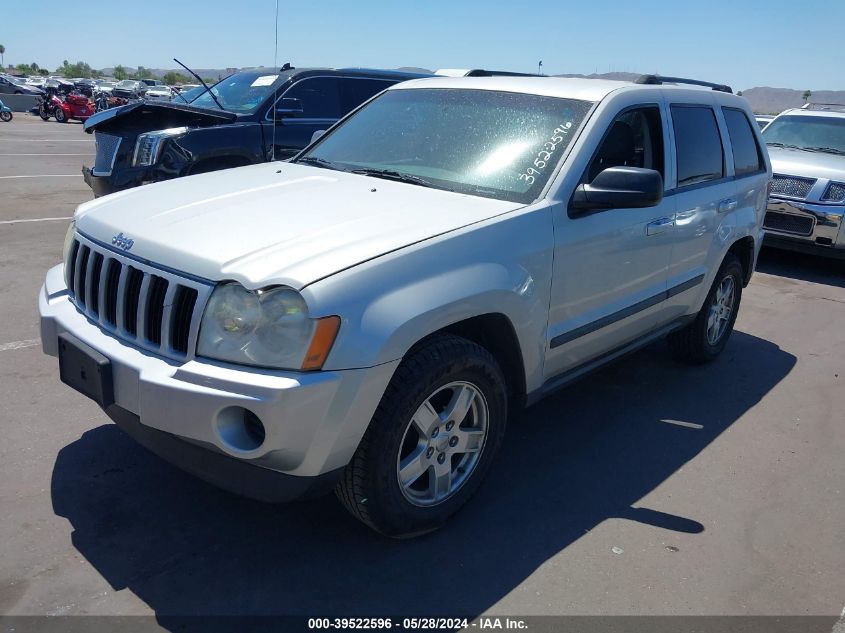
316	135
619	188
287	107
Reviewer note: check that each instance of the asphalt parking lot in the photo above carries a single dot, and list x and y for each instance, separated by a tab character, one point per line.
647	488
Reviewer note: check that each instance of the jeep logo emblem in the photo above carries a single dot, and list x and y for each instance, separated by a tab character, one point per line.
122	242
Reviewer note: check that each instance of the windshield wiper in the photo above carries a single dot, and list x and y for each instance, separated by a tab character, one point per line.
775	144
390	174
207	89
318	162
826	150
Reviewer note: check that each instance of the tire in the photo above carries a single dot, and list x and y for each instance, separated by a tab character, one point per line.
444	369
703	340
42	112
60	116
6	116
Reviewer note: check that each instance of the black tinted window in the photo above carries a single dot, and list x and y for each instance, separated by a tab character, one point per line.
635	139
319	97
747	158
698	145
354	92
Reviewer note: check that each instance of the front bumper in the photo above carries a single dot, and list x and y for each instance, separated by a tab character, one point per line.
805	227
118	180
313	420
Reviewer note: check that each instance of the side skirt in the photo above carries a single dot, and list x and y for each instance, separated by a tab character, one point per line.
576	373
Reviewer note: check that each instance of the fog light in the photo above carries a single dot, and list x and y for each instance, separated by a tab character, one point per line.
240	429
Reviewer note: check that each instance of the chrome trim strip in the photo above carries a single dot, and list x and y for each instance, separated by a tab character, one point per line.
578	332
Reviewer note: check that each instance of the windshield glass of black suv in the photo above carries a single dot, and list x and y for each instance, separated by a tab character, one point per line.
819	133
241	93
488	143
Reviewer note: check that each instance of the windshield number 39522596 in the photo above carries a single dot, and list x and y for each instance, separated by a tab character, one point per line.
544	156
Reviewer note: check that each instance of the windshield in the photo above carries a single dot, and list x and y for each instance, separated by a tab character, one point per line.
126	83
241	93
487	143
819	133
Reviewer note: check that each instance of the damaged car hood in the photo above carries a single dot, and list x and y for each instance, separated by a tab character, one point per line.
156	115
275	223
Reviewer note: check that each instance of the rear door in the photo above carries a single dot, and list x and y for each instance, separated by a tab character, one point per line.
707	190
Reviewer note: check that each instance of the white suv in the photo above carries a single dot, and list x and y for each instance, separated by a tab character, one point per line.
365	316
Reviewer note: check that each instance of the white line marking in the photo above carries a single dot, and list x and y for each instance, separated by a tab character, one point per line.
45	176
32	342
70	217
88	154
689	425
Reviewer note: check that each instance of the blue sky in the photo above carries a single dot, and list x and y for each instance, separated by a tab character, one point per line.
741	42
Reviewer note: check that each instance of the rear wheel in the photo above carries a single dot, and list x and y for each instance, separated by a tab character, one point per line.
705	338
60	116
431	440
6	116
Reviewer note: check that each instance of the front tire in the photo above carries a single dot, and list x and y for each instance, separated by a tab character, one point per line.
705	338
6	116
42	112
431	440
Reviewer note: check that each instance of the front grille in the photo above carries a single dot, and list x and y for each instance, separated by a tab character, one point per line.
107	146
788	223
151	308
835	192
792	186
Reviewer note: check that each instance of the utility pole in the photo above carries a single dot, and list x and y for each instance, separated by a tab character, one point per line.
540	68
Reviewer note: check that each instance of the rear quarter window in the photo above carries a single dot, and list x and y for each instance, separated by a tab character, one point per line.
698	145
748	157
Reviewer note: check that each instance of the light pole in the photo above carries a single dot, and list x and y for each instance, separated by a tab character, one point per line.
540	68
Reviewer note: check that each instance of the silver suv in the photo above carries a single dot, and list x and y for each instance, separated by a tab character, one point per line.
807	202
364	317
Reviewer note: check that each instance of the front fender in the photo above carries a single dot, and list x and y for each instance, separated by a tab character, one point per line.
501	266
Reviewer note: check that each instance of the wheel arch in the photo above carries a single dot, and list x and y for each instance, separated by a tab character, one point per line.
744	249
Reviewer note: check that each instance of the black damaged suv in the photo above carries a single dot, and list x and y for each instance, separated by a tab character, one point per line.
247	118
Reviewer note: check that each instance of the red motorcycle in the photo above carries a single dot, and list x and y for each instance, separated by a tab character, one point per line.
74	106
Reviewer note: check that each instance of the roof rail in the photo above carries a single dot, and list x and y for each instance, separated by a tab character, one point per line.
659	80
830	107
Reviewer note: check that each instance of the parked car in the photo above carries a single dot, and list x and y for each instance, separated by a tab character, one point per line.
56	85
365	316
85	86
106	86
807	200
159	92
15	86
129	89
763	119
233	125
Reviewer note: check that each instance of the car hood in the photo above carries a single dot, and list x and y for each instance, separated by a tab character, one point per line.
276	223
796	162
156	115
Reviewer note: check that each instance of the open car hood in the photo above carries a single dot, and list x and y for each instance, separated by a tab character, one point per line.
156	115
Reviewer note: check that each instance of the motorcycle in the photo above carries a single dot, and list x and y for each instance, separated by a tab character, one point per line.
51	102
74	106
5	112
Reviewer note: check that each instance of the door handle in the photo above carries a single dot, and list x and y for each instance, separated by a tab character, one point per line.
727	205
659	226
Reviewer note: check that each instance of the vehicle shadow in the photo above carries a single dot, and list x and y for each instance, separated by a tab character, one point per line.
812	268
587	454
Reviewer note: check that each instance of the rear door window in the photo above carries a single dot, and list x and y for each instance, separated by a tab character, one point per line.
748	157
698	145
355	91
320	97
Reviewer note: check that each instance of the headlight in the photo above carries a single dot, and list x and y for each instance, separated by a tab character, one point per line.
149	145
264	328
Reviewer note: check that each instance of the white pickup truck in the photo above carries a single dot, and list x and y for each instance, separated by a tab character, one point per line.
364	317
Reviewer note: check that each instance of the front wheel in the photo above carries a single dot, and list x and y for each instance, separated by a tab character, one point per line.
42	112
431	441
60	116
6	116
705	338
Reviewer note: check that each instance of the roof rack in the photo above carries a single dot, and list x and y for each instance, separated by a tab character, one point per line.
830	107
659	80
480	72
